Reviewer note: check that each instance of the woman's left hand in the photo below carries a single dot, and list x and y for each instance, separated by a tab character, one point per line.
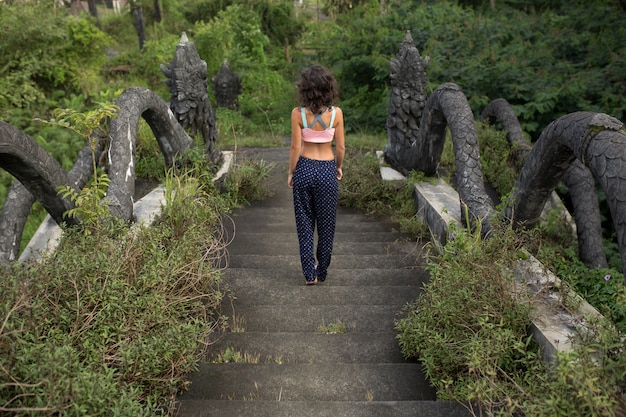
339	174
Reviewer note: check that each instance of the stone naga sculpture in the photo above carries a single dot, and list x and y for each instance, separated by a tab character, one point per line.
38	175
406	103
227	87
188	84
578	179
416	128
569	149
597	141
19	199
135	103
35	169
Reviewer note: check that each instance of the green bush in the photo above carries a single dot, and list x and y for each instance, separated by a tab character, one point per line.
247	182
44	51
546	64
363	188
112	326
471	334
113	323
267	101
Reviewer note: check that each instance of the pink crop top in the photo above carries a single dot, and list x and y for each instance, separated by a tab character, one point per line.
318	136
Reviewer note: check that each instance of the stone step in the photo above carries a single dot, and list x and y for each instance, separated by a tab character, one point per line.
337	262
255	292
240	408
310	382
340	277
287	244
308	318
265	226
290	366
283	348
280	214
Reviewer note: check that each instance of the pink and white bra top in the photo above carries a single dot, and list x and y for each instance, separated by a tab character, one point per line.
318	136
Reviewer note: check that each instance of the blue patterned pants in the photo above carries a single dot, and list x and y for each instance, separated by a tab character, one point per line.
315	194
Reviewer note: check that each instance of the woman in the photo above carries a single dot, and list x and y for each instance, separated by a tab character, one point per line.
314	170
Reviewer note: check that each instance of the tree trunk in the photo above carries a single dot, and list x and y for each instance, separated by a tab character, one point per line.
139	24
93	9
157	11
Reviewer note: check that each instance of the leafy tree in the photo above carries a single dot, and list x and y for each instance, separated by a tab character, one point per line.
546	64
43	51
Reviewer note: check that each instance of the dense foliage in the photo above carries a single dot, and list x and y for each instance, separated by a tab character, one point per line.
470	330
545	58
471	334
545	61
114	320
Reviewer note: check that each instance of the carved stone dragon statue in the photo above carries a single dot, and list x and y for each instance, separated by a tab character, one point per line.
38	175
574	149
187	81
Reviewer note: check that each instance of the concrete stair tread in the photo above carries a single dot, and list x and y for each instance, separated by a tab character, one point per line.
255	292
307	319
337	277
289	226
290	367
296	347
290	236
311	382
338	261
239	408
286	214
287	244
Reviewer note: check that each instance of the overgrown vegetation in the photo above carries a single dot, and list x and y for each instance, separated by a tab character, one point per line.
363	189
77	324
469	331
112	323
471	334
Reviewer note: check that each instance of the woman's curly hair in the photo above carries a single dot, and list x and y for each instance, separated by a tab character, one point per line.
317	88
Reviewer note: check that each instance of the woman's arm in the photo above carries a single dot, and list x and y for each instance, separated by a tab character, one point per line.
340	142
296	143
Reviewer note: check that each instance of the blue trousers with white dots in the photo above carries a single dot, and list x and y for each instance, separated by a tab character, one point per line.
315	195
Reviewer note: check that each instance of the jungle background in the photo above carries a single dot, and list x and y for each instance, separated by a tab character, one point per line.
547	58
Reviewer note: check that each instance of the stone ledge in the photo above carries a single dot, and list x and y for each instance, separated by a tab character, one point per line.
554	325
146	209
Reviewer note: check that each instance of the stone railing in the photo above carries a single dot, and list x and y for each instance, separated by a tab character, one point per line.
559	314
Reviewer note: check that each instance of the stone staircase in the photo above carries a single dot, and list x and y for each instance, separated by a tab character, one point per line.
324	350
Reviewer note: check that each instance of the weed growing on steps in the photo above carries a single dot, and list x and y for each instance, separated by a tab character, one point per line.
112	324
233	356
332	328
